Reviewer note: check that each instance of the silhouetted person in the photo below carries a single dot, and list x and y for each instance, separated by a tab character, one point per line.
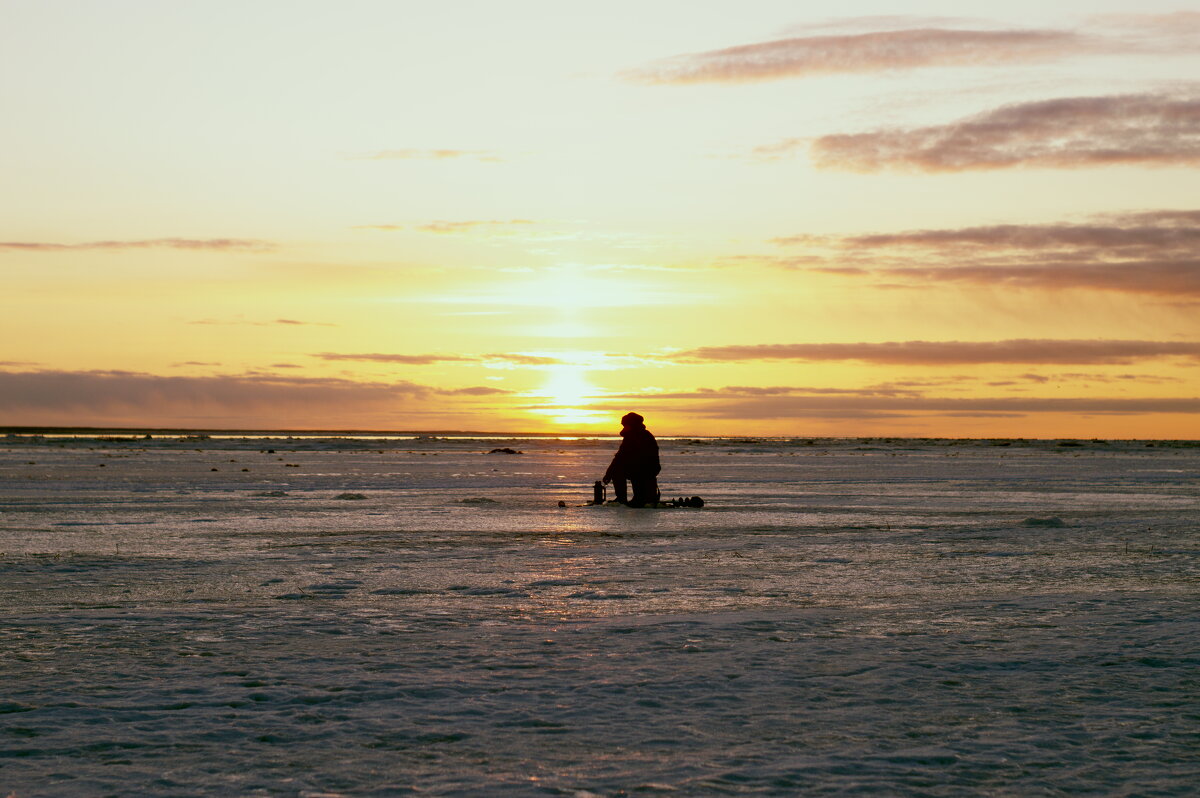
636	460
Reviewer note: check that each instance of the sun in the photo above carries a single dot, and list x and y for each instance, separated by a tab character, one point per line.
567	393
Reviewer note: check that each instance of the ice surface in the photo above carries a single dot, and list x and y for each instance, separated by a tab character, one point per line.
842	617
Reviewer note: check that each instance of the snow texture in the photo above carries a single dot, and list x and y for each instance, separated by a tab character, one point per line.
934	618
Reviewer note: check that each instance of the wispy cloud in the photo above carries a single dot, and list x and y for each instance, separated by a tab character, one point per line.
466	226
283	322
805	56
519	359
201	244
1150	252
897	43
524	360
1142	231
385	357
742	391
942	353
430	155
1142	129
476	390
1086	377
1170	31
876	23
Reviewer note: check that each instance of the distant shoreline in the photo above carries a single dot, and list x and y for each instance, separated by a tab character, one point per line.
178	432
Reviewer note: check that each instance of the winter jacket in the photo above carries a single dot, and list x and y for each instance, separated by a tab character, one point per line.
637	456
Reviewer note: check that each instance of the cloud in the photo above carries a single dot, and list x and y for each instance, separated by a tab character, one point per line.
525	360
444	227
859	407
89	390
200	244
284	322
114	391
740	391
478	390
1167	278
885	401
806	56
1073	132
942	353
424	360
1147	231
380	357
430	155
1176	30
1150	252
878	22
729	405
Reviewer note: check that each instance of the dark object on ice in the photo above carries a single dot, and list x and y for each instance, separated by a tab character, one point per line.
349	496
599	493
504	450
1051	522
562	503
636	460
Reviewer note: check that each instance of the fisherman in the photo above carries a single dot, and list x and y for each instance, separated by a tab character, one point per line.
636	460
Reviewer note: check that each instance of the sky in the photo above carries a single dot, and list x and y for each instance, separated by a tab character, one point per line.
952	219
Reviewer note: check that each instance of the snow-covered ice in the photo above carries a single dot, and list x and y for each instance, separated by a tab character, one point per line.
377	617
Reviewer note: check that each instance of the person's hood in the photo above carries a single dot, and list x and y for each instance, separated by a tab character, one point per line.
633	420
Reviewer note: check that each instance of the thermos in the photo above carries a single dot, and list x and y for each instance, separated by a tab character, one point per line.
598	493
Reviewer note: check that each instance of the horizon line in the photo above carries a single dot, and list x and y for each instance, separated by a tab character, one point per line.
250	432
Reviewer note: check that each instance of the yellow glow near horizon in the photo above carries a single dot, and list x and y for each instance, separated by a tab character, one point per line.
569	391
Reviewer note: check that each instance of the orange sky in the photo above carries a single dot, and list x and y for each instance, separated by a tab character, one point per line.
733	217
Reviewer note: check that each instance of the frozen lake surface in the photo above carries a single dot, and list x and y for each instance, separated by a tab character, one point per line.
395	617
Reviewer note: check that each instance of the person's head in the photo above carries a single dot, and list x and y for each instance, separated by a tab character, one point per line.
632	420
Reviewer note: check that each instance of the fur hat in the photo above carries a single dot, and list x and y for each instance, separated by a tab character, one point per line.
632	420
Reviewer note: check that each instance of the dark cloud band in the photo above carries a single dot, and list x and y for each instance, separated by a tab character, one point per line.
1151	253
938	353
1061	133
100	391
